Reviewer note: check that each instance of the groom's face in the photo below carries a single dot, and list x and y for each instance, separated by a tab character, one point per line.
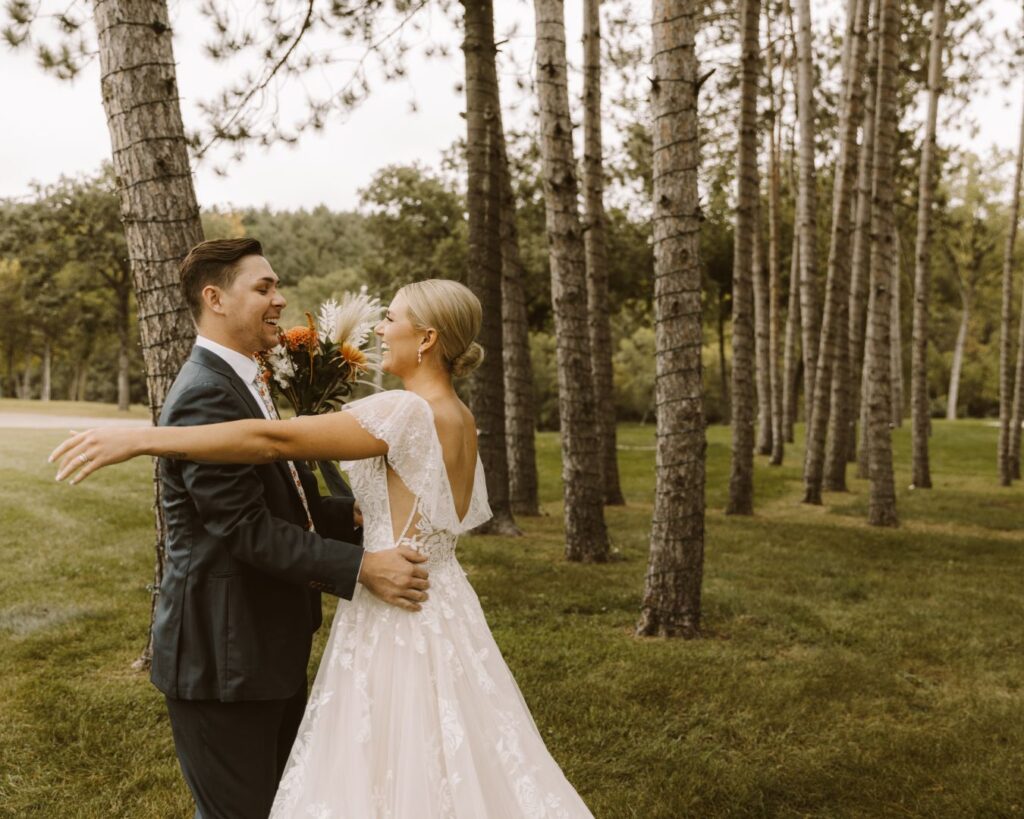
251	306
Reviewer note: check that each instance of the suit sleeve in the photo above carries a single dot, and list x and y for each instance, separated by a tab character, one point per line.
333	516
230	503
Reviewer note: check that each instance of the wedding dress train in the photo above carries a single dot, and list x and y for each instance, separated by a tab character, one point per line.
415	715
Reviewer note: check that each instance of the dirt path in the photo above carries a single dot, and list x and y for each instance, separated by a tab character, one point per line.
28	420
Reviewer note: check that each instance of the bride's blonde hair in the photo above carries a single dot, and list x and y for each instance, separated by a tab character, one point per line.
454	312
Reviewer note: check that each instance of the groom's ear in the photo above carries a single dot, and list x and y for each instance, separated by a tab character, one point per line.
212	299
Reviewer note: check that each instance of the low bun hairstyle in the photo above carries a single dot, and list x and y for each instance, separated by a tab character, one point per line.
467	362
454	312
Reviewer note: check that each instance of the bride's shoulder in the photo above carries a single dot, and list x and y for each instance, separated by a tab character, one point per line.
391	400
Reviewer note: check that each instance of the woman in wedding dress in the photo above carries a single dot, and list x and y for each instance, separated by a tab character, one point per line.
413	714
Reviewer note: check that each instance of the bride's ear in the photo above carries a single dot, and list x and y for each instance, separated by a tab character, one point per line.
429	340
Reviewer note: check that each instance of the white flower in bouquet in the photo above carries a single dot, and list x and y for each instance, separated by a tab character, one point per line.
352	320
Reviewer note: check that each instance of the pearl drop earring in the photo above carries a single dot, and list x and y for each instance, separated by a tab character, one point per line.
419	356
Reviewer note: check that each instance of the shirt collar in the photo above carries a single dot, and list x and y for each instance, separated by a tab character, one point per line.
245	366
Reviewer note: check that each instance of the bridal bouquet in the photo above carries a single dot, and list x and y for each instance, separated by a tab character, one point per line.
315	366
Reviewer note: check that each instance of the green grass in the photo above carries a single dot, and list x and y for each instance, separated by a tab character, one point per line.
845	672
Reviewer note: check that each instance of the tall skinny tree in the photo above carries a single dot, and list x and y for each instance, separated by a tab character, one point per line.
672	588
484	267
774	264
919	402
520	414
882	501
585	531
806	213
158	203
741	477
597	252
1005	342
1017	409
834	342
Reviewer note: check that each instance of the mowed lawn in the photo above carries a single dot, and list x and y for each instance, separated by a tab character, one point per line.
846	671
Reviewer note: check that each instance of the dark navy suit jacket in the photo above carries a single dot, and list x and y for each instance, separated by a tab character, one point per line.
240	597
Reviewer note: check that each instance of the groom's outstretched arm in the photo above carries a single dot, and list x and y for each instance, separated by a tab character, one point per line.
230	502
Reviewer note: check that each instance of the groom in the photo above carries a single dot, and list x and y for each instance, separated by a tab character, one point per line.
249	549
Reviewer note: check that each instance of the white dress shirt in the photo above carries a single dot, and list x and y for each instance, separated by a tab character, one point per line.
245	367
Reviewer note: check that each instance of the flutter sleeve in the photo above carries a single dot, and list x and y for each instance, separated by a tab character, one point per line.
405	422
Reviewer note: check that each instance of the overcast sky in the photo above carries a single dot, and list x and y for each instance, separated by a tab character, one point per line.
53	127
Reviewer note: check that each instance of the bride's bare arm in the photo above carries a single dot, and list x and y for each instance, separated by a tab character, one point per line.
337	436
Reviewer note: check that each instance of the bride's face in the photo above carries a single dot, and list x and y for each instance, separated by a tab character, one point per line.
400	341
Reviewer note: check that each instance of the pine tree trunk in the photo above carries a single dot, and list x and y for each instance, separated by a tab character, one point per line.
45	387
759	278
775	381
672	589
597	253
919	402
484	268
1017	412
882	502
25	389
158	203
585	532
741	477
861	256
520	415
834	350
1006	391
791	364
953	396
896	331
807	207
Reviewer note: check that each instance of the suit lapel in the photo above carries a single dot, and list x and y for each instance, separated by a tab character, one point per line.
212	361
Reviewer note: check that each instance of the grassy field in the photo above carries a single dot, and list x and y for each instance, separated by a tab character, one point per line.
846	672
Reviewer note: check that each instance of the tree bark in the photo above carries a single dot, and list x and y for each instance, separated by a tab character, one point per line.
597	253
672	589
896	331
741	477
158	203
1005	349
1017	411
850	406
807	206
585	532
919	401
520	415
762	350
833	352
953	395
484	267
775	381
882	502
791	367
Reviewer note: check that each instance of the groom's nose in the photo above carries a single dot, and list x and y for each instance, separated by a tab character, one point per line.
279	300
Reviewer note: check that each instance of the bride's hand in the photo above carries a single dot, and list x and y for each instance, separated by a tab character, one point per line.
85	452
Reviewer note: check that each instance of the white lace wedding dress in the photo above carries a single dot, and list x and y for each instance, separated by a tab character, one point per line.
416	715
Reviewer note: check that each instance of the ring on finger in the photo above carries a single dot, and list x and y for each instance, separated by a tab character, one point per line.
84	459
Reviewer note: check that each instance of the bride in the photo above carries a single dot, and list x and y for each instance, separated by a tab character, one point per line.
413	713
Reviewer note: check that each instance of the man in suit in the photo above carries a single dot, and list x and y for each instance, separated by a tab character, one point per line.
249	550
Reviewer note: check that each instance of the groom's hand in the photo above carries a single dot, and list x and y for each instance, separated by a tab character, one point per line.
395	576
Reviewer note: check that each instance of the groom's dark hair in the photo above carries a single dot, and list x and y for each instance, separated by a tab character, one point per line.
214	262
